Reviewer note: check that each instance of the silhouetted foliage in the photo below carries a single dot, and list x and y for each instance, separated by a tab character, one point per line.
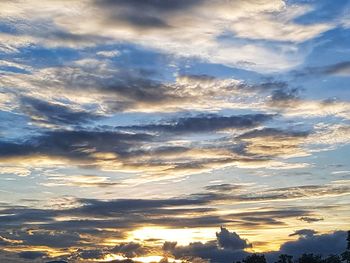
310	258
332	259
255	259
304	258
284	258
346	256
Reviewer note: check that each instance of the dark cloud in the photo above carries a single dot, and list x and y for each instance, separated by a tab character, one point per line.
90	254
129	147
91	221
54	114
223	187
284	97
207	123
73	144
309	219
342	68
58	239
231	240
304	233
337	69
125	89
130	250
155	14
325	244
31	254
228	247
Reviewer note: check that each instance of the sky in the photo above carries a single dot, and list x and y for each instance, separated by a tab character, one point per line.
192	130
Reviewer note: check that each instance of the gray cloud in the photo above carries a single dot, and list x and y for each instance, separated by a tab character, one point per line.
91	221
73	144
337	69
156	14
228	246
231	240
207	123
324	244
310	219
304	233
44	112
31	254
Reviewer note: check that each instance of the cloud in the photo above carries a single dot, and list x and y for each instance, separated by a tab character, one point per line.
310	219
31	254
323	244
91	220
153	148
169	28
230	240
109	53
275	142
207	123
51	114
228	246
340	69
17	170
78	180
131	250
304	233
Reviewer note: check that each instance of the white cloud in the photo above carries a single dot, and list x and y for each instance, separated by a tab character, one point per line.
16	170
194	31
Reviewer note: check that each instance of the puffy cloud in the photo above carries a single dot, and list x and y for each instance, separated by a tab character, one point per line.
231	240
323	244
131	250
228	246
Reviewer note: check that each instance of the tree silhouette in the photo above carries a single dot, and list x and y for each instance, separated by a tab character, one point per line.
345	256
310	258
284	258
332	259
254	258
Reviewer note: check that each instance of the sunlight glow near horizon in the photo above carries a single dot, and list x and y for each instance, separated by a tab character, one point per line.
183	236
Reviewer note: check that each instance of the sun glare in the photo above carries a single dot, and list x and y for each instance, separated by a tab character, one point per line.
145	259
183	236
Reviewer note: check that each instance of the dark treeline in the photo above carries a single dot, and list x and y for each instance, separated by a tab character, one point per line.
304	258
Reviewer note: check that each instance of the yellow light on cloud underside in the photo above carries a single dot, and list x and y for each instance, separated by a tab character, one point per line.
182	236
145	259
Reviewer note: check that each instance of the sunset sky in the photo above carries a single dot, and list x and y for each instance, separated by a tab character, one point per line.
197	130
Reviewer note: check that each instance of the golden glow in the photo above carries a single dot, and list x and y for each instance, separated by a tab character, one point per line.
145	259
50	251
111	257
149	259
183	236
